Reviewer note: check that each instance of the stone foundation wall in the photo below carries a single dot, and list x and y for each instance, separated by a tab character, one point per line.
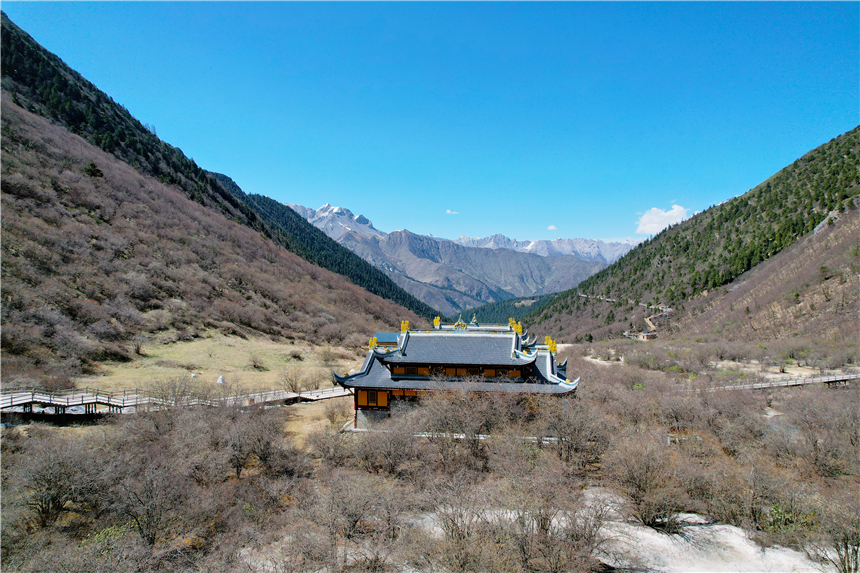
367	419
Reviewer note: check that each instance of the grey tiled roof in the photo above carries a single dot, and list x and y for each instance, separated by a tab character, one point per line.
378	376
464	348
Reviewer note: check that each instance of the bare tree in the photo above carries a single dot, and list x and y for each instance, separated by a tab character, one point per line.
390	449
333	447
839	531
148	493
460	513
292	379
361	516
545	517
337	412
177	391
580	432
642	466
53	478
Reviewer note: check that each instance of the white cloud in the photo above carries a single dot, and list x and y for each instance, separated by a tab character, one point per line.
551	228
655	220
450	212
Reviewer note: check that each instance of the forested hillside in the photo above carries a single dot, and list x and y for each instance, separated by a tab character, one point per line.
100	260
710	250
500	312
41	83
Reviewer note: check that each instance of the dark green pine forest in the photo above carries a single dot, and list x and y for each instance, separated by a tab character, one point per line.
42	83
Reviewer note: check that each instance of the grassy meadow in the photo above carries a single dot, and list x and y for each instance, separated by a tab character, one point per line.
255	363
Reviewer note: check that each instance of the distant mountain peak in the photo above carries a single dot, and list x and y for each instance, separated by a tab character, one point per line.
336	221
584	249
449	275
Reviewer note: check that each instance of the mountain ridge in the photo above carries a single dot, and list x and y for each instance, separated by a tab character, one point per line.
42	83
100	261
336	221
707	253
444	274
584	249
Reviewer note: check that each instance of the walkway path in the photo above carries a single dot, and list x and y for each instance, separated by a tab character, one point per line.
779	383
123	401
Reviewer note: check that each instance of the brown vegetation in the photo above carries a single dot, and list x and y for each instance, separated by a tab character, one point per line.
96	266
497	483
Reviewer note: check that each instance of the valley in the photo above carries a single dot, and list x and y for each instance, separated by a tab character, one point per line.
456	276
125	265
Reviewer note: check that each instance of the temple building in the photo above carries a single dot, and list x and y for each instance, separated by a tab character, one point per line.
452	357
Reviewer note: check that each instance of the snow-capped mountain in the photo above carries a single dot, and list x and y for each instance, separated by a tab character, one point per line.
455	275
336	221
585	249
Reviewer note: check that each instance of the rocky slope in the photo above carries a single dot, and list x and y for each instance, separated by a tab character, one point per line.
444	274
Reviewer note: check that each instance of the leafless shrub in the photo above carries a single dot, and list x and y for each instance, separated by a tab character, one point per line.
829	425
580	431
642	466
456	422
137	344
337	412
460	515
177	391
327	357
257	363
317	377
542	517
390	449
52	479
147	493
358	512
838	540
680	412
333	447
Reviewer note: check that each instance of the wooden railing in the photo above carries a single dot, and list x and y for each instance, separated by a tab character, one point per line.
121	399
783	382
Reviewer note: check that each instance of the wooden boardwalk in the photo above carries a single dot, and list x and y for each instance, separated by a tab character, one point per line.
786	382
126	400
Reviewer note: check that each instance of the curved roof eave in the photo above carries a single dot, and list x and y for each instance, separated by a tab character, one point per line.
365	368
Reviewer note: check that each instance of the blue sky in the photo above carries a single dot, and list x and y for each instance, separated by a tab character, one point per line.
534	120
